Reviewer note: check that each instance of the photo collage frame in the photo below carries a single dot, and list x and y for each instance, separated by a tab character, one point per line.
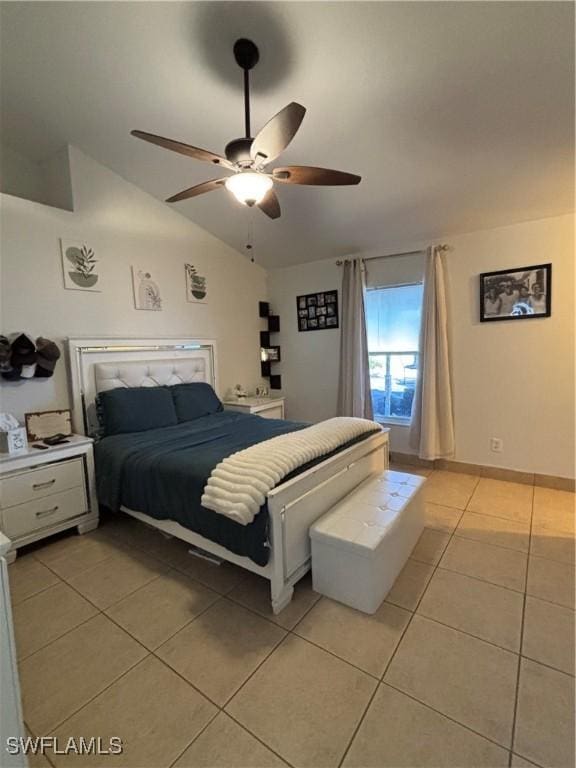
317	311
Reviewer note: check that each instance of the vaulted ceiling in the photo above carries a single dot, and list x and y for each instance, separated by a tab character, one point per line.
458	116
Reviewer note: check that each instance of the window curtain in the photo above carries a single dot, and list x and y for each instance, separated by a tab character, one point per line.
354	398
432	427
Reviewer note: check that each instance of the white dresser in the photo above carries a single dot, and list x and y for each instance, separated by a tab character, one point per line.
46	491
268	407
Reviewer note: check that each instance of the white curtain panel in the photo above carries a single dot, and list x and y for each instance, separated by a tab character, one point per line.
432	427
354	397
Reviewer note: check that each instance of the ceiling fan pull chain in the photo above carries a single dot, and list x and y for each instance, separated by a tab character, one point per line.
250	236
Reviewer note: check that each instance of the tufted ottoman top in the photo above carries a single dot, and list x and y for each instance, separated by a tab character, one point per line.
363	518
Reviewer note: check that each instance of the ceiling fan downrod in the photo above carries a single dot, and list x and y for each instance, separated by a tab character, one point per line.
247	103
247	56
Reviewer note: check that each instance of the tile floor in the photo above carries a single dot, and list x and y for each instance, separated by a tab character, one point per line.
468	662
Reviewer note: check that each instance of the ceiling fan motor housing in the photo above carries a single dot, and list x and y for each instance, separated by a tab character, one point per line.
246	53
238	151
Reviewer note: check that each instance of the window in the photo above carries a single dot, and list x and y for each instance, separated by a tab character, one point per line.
393	326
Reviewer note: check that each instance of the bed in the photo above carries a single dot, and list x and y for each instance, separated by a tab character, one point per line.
276	544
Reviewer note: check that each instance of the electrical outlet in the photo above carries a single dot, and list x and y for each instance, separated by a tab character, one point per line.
496	444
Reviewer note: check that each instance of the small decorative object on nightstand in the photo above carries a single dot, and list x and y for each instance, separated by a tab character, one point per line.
13	441
239	391
12	435
46	490
268	407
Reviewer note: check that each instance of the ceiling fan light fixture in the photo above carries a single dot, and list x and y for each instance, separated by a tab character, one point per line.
249	187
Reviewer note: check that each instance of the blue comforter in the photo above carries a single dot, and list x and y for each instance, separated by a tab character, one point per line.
162	472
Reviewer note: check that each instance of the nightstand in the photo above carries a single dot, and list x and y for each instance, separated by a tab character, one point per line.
46	491
268	407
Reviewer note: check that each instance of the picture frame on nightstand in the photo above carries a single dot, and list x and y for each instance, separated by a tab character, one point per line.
43	424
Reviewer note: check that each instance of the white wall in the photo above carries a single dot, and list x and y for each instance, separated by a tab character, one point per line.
310	359
515	380
125	226
45	182
57	176
20	175
512	380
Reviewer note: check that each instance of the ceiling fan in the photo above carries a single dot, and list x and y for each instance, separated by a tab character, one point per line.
247	157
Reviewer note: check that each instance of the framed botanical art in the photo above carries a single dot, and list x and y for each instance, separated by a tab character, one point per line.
317	311
196	289
80	266
516	294
146	290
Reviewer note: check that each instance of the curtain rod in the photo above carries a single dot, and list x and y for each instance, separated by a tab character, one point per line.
442	247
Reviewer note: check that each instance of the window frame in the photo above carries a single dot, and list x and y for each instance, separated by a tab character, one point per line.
403	421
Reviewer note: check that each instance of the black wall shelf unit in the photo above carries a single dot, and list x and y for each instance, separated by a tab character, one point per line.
269	353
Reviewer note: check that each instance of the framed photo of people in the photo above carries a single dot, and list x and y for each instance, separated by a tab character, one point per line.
516	294
317	311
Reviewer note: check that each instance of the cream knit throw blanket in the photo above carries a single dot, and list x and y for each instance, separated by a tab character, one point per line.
239	485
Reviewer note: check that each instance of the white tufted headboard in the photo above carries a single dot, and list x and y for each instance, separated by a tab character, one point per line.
163	373
97	365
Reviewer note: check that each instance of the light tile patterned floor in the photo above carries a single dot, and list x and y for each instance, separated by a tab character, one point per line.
468	662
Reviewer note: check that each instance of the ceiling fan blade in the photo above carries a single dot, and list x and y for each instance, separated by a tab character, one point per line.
183	149
277	134
270	204
199	189
307	174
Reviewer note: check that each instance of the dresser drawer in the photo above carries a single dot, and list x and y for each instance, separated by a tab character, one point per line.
25	518
275	412
38	483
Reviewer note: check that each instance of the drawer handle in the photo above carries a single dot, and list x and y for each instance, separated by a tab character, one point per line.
47	512
47	484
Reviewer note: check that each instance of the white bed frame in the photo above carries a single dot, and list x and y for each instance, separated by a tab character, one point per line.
99	364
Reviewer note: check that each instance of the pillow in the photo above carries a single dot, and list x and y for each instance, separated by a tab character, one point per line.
135	410
195	400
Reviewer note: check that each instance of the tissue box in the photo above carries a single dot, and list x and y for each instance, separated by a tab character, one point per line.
13	441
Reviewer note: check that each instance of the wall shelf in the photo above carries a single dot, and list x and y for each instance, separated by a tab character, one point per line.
269	353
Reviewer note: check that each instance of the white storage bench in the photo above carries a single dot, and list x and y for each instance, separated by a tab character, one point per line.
362	544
